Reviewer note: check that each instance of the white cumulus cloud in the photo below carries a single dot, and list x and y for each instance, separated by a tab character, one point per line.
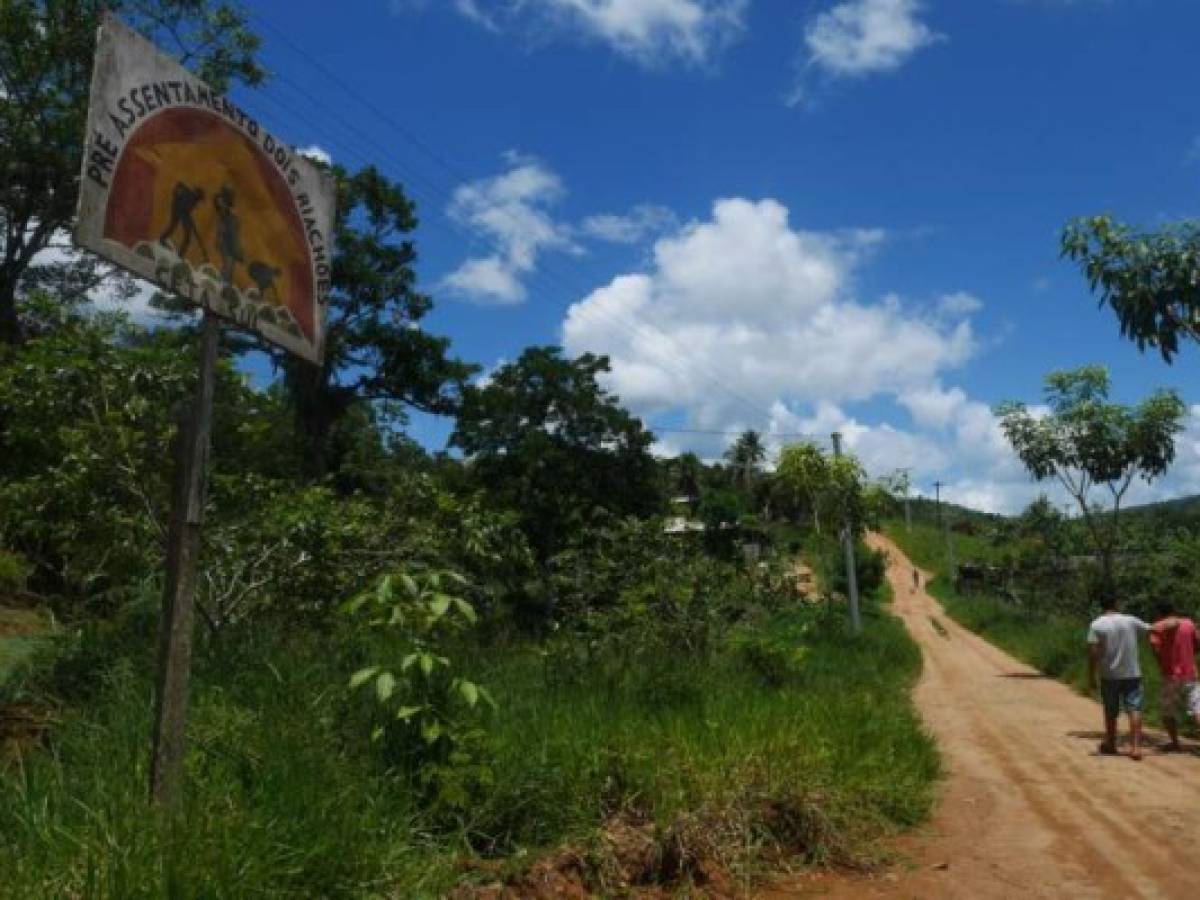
742	310
744	321
650	32
855	38
512	212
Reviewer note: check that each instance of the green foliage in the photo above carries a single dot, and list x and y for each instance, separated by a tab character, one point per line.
430	717
374	349
746	456
800	480
685	475
720	510
829	556
280	802
1151	280
547	442
833	490
87	412
14	572
1086	441
784	735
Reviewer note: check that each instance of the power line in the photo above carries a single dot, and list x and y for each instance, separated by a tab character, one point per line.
632	329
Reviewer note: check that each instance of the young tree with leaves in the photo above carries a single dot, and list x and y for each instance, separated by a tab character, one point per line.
800	477
46	49
1085	441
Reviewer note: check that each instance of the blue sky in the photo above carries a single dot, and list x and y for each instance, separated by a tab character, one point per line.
793	215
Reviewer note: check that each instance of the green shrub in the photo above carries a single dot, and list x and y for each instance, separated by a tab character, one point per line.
14	572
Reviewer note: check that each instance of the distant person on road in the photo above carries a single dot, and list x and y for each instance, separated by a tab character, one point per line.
916	579
1174	643
1113	653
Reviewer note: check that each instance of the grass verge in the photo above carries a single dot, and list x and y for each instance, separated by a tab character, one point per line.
795	741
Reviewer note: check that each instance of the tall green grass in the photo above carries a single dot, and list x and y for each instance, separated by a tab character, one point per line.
287	796
23	639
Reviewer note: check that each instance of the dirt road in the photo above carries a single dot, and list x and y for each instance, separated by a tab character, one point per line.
1028	808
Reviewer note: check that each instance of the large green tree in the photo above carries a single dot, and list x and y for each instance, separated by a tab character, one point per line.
46	49
547	441
1086	442
375	350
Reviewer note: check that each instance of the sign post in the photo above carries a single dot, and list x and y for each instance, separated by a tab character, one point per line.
187	190
179	587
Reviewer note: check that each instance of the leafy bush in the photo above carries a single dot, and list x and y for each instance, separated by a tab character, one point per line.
870	565
14	572
429	719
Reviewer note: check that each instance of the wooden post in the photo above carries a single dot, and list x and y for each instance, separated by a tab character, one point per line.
179	590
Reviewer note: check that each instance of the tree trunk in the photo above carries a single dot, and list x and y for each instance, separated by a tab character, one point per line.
314	416
10	325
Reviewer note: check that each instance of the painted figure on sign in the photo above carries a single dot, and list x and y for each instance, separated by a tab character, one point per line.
229	239
184	200
264	276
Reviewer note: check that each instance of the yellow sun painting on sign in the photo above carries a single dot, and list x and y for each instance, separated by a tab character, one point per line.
199	199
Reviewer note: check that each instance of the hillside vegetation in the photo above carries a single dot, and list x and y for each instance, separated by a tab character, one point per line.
416	674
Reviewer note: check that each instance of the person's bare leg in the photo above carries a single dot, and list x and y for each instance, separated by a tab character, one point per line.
1172	726
1110	736
1135	735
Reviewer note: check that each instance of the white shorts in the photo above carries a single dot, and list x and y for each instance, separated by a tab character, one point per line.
1180	696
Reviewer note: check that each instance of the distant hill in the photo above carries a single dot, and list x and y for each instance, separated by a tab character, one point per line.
1180	512
925	510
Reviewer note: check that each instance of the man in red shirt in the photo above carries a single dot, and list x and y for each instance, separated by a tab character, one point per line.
1174	643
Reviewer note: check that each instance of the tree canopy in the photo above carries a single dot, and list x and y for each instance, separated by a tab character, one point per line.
829	488
1151	280
375	349
548	441
1085	441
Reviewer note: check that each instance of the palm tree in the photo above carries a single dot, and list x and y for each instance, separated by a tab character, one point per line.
745	456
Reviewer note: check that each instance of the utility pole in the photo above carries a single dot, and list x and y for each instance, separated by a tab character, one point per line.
944	521
848	543
937	502
907	506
